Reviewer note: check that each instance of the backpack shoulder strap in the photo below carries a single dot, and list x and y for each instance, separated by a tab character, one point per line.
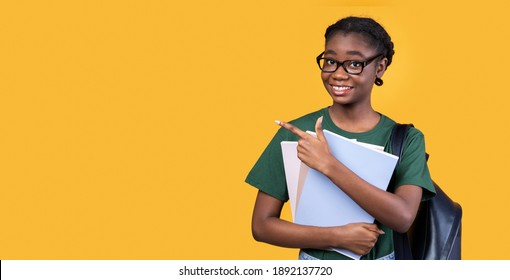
401	243
398	137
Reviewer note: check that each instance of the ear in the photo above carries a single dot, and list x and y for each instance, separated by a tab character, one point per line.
381	67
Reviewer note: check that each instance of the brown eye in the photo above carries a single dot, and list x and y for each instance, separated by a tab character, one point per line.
330	62
355	64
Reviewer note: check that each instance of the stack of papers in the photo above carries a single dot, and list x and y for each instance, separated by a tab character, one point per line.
317	201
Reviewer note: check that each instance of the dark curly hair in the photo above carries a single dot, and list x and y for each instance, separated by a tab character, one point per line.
370	29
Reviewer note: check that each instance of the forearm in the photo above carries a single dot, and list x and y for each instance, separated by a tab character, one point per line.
268	227
279	232
388	208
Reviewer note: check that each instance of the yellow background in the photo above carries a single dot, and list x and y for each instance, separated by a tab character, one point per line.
127	127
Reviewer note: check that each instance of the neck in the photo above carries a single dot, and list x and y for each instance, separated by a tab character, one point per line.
354	118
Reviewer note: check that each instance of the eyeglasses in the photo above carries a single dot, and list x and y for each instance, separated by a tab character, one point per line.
353	67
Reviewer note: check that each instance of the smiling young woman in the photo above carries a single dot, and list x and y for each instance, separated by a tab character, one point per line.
357	53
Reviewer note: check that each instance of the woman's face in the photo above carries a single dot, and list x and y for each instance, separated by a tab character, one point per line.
349	89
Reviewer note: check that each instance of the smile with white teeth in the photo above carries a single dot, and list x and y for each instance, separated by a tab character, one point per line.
340	88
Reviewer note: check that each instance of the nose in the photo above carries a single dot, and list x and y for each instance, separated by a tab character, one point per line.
340	74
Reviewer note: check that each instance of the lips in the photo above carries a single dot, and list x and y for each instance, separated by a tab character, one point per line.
340	90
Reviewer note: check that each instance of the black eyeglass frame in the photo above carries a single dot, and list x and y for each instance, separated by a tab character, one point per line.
342	63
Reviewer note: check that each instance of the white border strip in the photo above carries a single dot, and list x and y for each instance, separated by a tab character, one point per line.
260	270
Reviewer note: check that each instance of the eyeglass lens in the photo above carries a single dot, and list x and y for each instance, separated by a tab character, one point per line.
350	66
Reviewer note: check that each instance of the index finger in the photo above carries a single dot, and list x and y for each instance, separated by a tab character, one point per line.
292	129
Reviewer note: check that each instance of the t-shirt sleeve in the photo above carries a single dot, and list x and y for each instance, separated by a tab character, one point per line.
413	168
268	173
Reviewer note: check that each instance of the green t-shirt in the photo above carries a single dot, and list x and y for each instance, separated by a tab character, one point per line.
268	173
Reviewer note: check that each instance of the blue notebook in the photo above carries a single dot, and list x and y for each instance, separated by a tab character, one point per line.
322	203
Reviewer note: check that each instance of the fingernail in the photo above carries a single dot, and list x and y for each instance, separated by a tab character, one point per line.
278	122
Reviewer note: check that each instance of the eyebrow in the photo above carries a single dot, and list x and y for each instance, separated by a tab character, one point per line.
348	52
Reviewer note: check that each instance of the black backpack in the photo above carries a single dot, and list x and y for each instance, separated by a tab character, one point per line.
436	231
